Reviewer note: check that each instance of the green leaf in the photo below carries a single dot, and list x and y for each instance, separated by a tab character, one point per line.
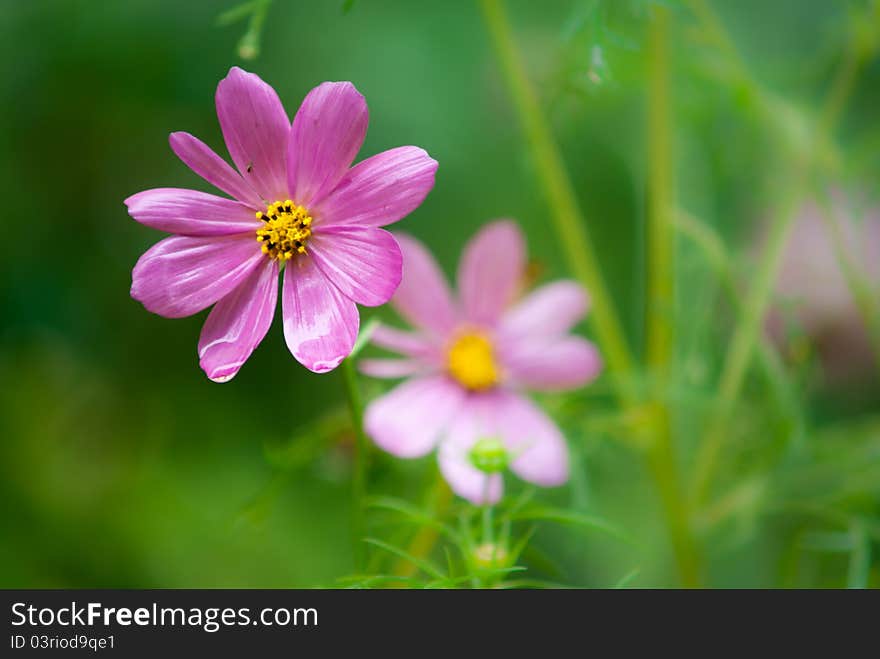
376	580
860	557
572	518
424	565
413	513
627	579
533	583
521	544
308	442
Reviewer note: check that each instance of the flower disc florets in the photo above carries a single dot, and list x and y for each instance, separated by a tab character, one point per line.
286	230
471	361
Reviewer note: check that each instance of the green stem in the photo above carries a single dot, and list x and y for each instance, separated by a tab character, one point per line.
660	229
769	362
742	344
660	287
748	330
580	255
859	573
359	480
249	45
425	539
841	87
567	218
488	509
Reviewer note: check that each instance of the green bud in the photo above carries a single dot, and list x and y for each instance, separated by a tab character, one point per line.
490	555
489	455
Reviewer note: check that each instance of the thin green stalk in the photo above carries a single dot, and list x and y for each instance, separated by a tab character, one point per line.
769	361
745	337
661	230
841	86
359	481
742	344
660	287
249	46
714	29
426	537
567	217
579	252
662	461
859	572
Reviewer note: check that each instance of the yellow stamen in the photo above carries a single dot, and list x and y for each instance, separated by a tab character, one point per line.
471	362
285	231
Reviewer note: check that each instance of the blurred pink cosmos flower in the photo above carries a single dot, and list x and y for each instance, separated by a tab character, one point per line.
299	207
469	361
812	282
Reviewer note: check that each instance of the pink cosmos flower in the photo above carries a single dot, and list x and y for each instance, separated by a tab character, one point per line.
298	207
469	362
812	286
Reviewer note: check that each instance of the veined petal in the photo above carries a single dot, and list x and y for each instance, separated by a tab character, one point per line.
392	368
238	323
191	213
473	422
200	158
490	271
551	364
320	323
423	298
182	275
407	421
328	131
405	343
539	450
380	190
256	129
550	310
365	264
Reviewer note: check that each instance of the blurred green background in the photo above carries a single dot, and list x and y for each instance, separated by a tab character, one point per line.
122	465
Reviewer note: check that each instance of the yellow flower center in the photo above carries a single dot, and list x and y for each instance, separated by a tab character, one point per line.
285	231
471	362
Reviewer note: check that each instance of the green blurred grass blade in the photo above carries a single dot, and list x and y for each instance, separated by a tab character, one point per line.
571	518
424	565
237	13
627	579
860	557
412	513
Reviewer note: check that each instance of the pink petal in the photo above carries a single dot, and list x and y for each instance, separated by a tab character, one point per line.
392	368
490	271
550	310
328	131
256	129
191	213
238	323
550	364
200	158
405	343
320	323
407	421
182	275
423	298
474	422
541	452
380	190
365	264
